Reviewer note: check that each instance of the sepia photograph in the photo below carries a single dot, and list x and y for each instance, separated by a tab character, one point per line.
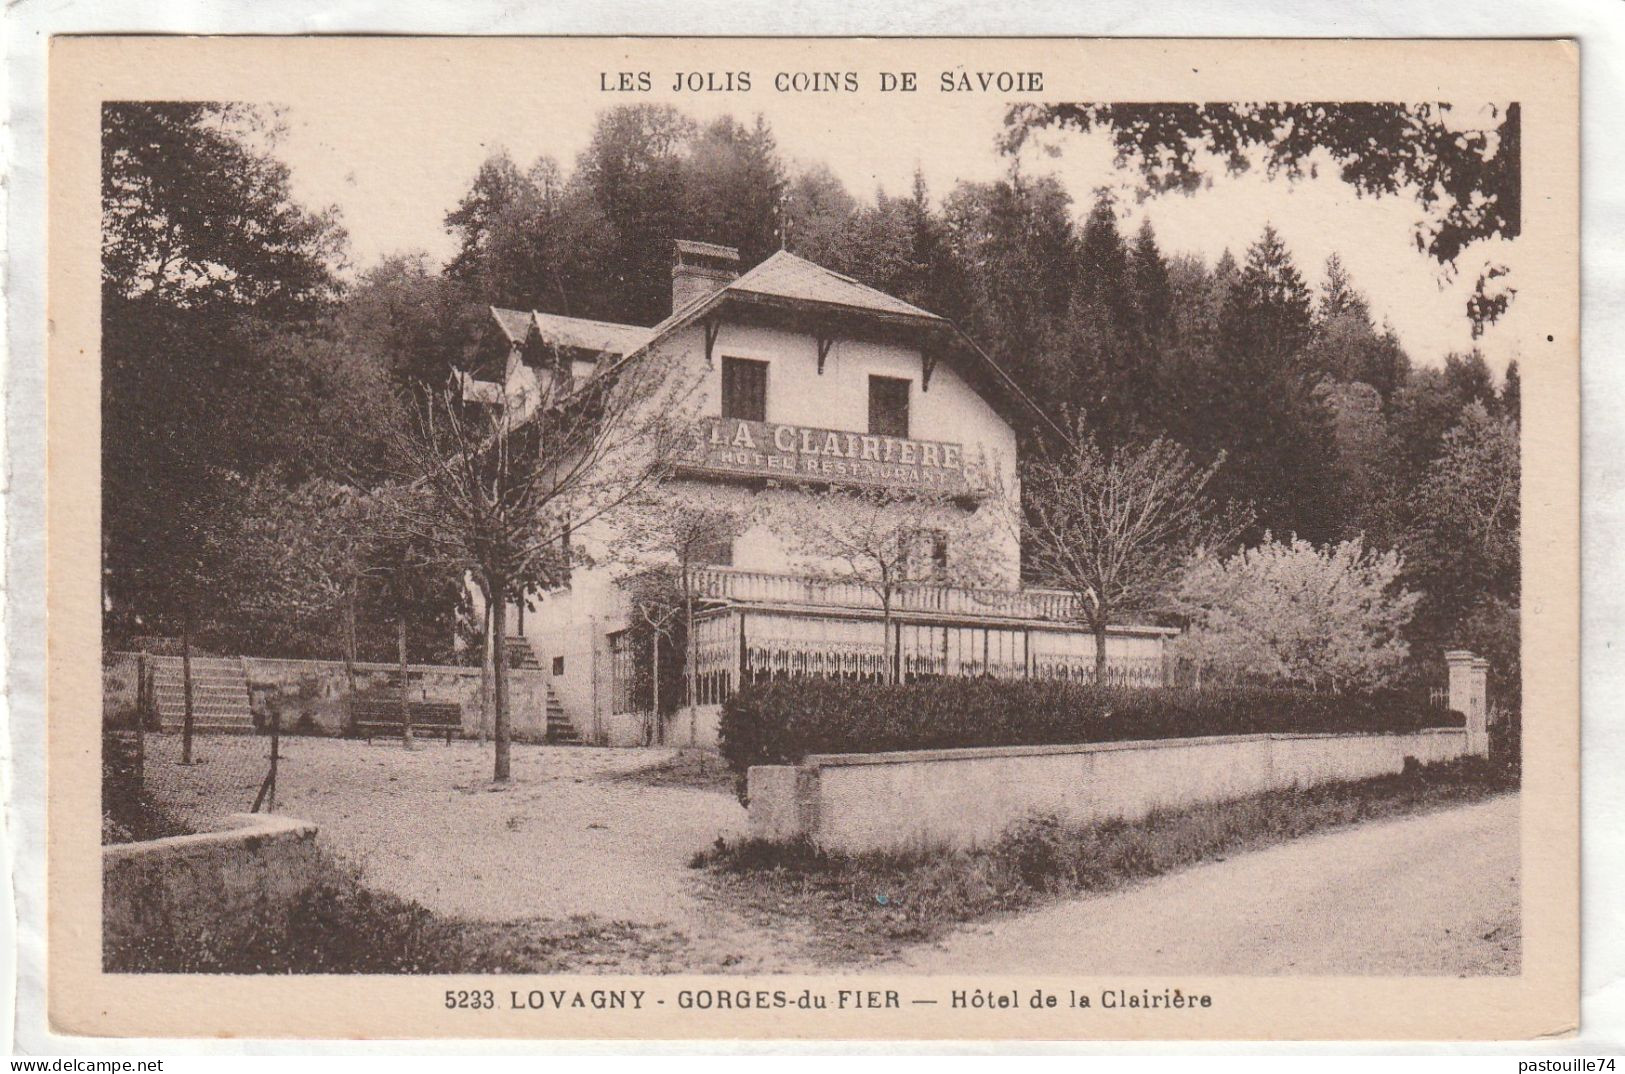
716	528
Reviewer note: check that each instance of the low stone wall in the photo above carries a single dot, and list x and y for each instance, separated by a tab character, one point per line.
309	694
257	864
960	798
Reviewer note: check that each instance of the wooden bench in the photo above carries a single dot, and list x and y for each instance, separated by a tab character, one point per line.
378	715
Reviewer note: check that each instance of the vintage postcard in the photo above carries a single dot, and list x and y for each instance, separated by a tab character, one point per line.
645	538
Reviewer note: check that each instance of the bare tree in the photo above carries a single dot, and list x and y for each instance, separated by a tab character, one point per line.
658	606
679	532
885	539
1115	532
499	484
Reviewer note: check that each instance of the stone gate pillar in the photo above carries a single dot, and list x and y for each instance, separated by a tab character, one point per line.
1469	695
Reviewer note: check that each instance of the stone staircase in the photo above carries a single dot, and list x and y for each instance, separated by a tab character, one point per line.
219	695
560	731
521	654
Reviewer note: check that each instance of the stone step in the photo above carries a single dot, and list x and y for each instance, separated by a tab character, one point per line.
210	722
560	731
199	664
214	685
212	729
176	714
521	654
217	689
220	702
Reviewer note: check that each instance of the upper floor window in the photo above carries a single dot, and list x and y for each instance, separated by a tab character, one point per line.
888	406
744	389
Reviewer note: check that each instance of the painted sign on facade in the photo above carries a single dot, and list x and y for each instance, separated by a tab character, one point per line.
792	452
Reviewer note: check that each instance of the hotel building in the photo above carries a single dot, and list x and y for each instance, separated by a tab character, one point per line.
805	379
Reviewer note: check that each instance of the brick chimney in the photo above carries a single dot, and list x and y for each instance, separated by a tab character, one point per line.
701	268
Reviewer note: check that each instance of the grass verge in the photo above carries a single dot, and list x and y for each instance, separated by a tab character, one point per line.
862	907
130	814
341	926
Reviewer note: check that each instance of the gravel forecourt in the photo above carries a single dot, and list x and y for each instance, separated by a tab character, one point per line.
564	839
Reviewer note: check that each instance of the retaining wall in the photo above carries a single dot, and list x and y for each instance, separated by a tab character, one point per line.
257	864
309	694
893	801
313	690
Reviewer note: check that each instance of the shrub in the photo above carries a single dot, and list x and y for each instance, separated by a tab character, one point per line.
783	721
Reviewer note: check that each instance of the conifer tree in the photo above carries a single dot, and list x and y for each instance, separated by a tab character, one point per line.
1265	409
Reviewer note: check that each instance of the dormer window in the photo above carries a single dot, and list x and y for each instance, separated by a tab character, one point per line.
888	407
744	389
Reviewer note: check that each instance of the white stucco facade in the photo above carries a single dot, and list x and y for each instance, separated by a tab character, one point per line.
819	341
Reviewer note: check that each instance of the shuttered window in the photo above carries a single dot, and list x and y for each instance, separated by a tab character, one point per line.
888	406
744	389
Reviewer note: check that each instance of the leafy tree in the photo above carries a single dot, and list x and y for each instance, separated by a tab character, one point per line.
883	539
1466	179
548	249
733	183
1016	239
1115	530
821	220
634	170
1362	476
311	546
1328	617
194	214
1430	404
414	583
204	251
1462	547
906	251
413	322
1346	345
498	187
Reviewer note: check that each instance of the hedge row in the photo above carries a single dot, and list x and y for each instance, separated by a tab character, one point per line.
781	722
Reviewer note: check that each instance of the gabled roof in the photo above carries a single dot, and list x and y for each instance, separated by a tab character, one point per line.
604	337
782	278
784	275
788	278
515	324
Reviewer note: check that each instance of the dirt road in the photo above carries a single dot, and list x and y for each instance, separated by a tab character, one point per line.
1430	895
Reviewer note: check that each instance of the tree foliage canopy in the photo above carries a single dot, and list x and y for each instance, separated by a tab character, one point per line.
1466	179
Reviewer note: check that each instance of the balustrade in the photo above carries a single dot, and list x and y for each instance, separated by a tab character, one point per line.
767	588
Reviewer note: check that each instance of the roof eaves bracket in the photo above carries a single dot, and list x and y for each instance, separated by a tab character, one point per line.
712	326
825	342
